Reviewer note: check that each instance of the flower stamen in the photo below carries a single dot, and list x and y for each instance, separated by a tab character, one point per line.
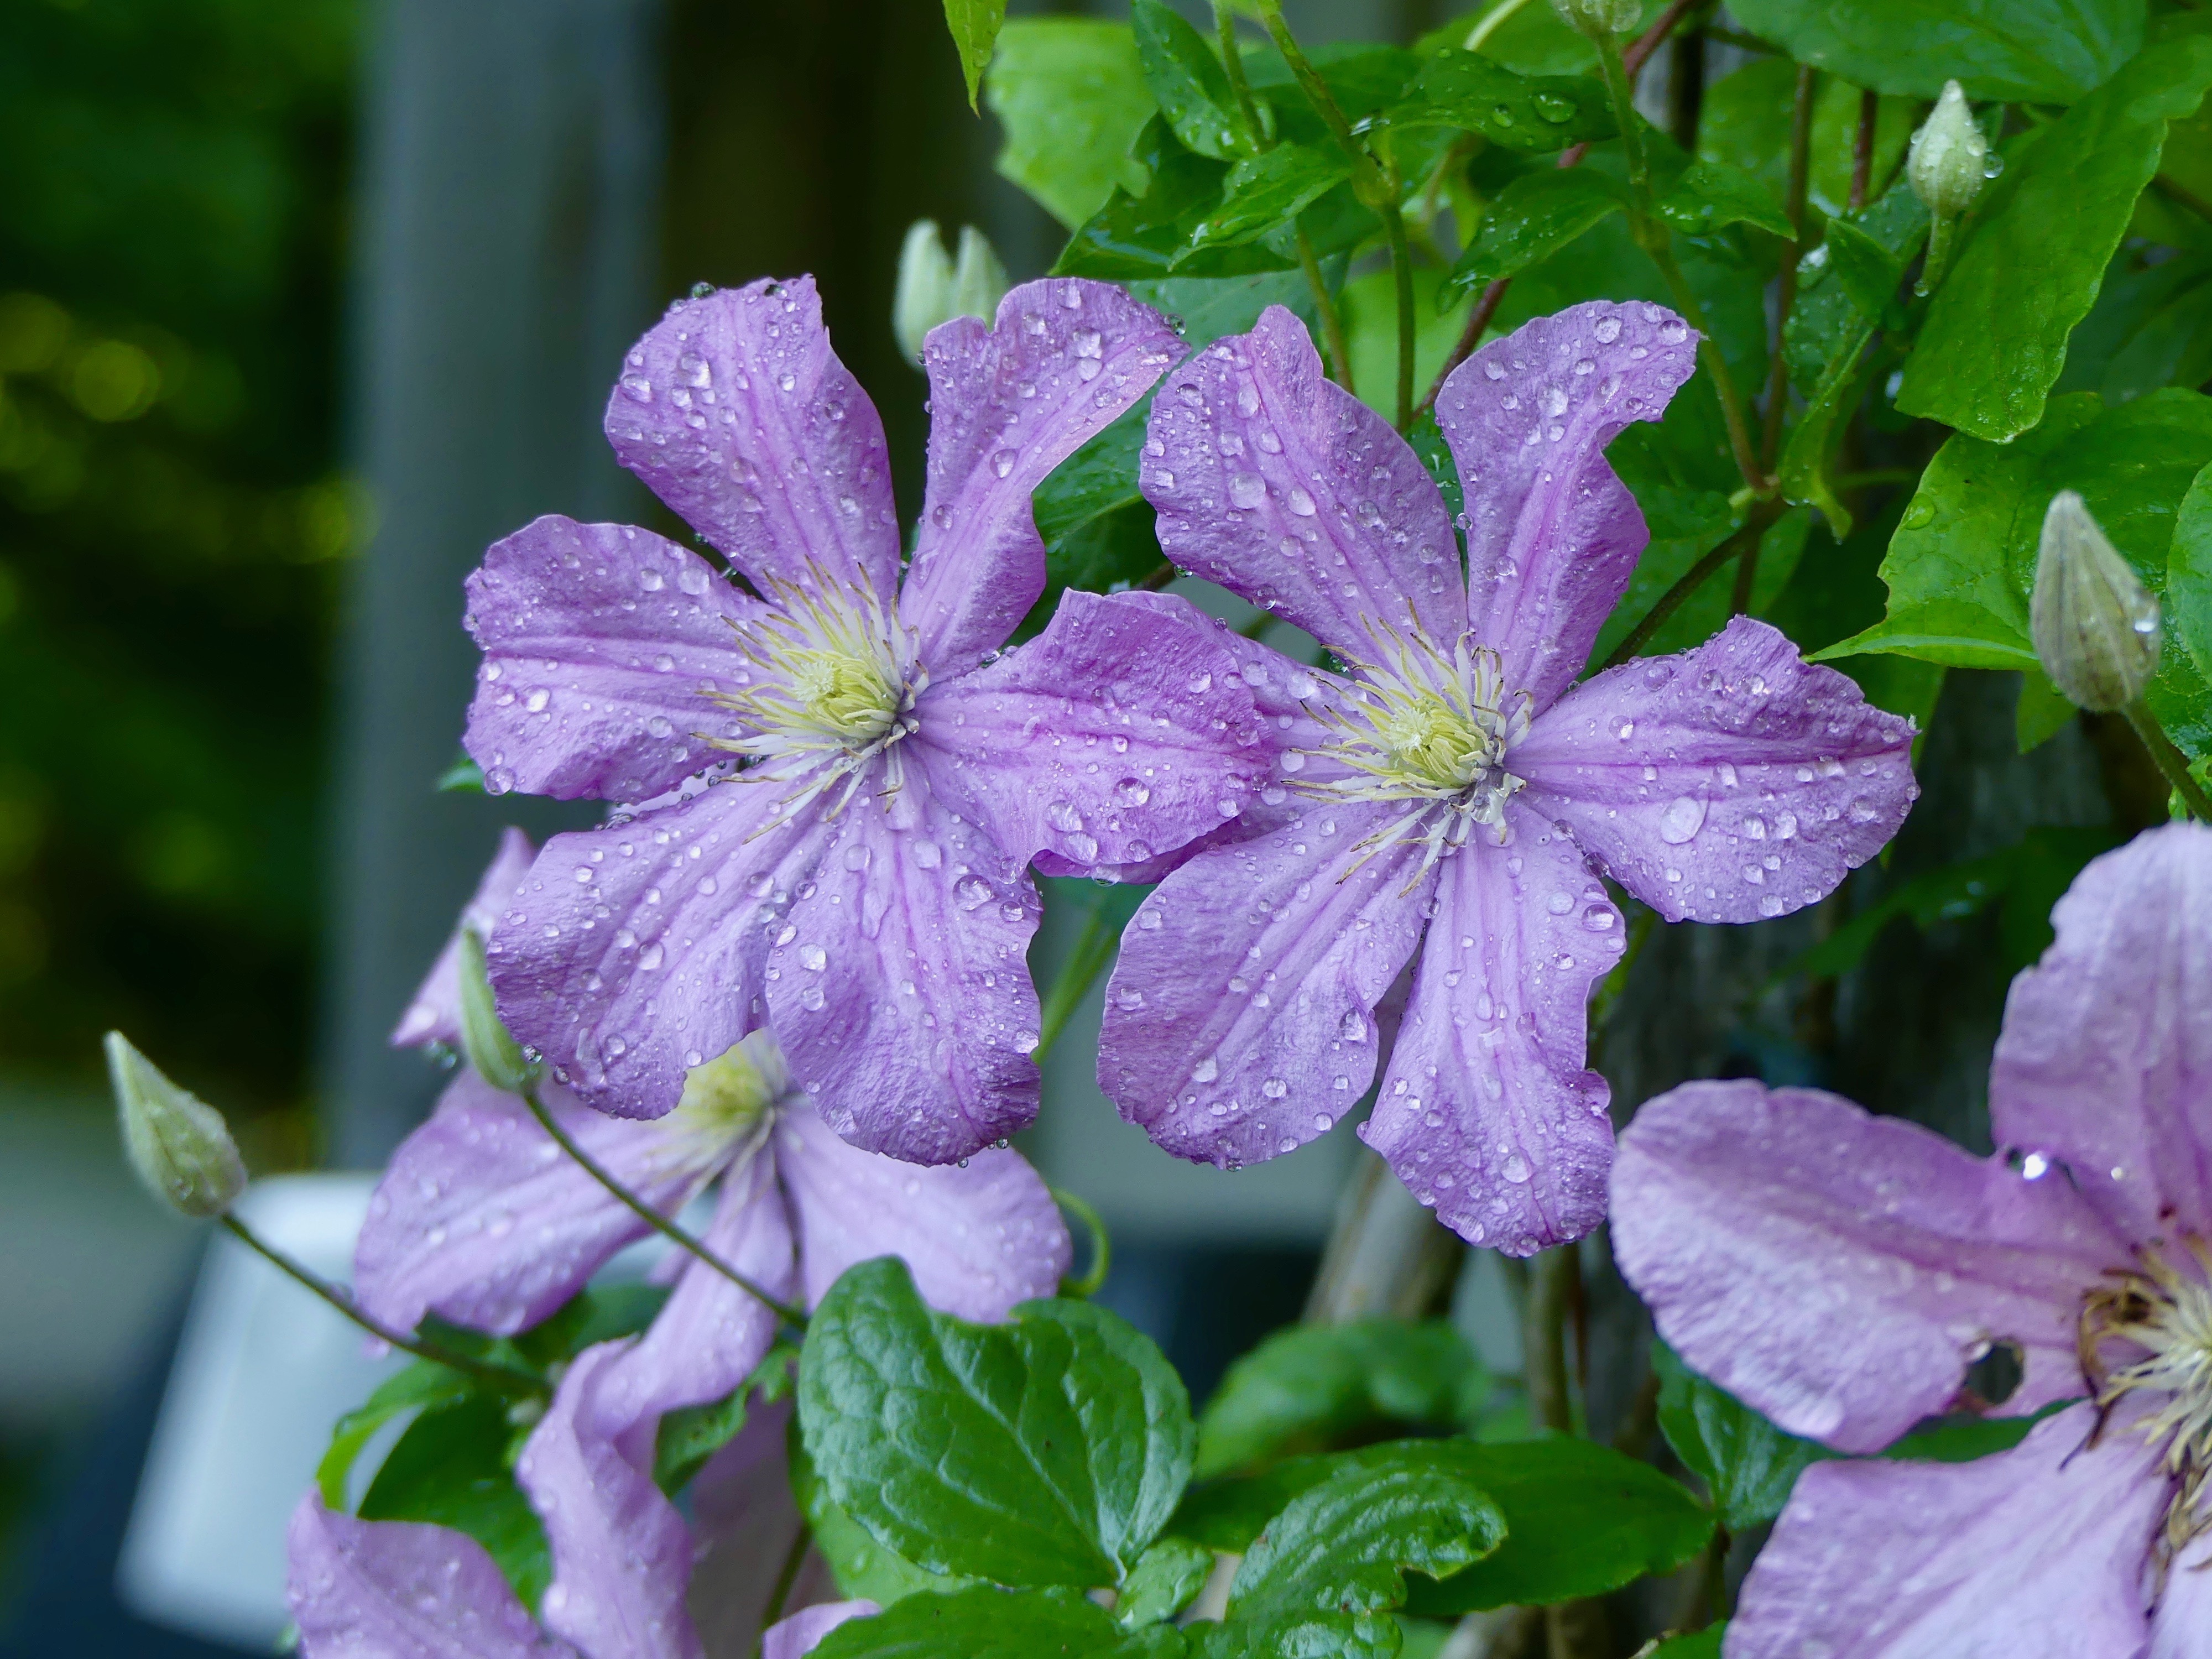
2160	1317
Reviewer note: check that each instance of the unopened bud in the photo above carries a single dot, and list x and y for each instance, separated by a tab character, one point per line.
1950	156
178	1144
491	1047
2094	624
1600	20
933	288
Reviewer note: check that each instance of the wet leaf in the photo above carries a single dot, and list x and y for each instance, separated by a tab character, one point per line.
2043	52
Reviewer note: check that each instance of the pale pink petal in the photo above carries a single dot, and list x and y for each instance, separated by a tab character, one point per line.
1838	1271
2105	1063
1551	534
1278	484
1730	783
2034	1554
1008	403
483	1219
435	1015
1117	734
900	986
978	1236
395	1589
711	1333
604	648
736	411
622	1555
634	952
1240	1020
797	1636
1488	1111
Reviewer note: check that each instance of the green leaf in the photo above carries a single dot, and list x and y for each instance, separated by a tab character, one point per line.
985	1623
974	25
2026	879
1699	1645
864	1568
1581	1520
1163	1581
2041	52
601	1313
1745	117
1308	1385
1071	95
1363	78
1369	307
1685	526
1266	190
1150	235
421	1386
1189	83
2187	599
450	1469
1528	114
689	1435
1966	1439
1428	442
1532	219
1049	1449
1995	339
1338	1555
464	776
1962	564
1712	194
1748	1464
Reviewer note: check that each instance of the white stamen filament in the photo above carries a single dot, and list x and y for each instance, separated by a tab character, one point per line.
1432	732
836	687
2164	1312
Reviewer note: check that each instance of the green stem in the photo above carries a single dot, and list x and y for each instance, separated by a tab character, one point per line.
2169	761
1942	234
1488	27
1746	537
1102	1247
1232	60
1777	377
1651	235
503	1377
1094	949
1401	268
1332	323
786	1577
1550	1298
1367	177
661	1223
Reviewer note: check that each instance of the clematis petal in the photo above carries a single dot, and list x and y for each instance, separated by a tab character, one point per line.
1552	535
2181	1628
979	1237
900	990
1118	733
2119	1012
1240	1020
634	952
1008	403
746	1524
1281	486
1487	1112
482	1219
1839	1271
396	1590
1732	782
738	414
622	1555
603	647
2033	1553
710	1333
799	1635
435	1015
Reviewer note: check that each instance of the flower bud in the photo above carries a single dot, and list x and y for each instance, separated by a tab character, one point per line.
178	1145
1950	156
933	288
490	1047
1600	20
2094	624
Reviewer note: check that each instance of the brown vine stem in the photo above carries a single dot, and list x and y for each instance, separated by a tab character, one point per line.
1778	372
1633	59
1863	148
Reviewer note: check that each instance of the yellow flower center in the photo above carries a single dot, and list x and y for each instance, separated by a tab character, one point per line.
2160	1320
730	1096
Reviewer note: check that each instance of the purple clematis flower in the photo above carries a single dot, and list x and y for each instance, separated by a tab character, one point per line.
1840	1271
482	1219
1456	782
624	1586
829	793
